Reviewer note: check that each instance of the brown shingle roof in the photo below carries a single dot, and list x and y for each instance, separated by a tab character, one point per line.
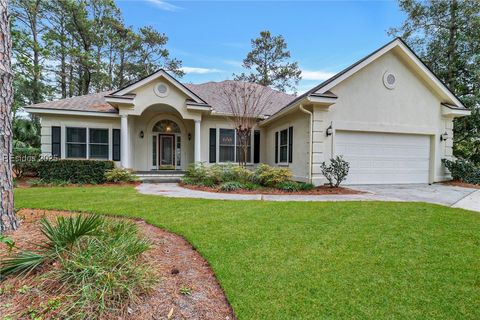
210	92
91	102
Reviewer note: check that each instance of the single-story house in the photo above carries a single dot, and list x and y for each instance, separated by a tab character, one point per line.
387	114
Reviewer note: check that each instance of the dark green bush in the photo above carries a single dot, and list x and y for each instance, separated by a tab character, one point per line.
74	171
251	186
231	186
289	186
304	186
463	170
25	161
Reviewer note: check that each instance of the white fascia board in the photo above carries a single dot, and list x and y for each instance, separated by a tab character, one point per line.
284	111
198	108
322	100
71	112
154	76
455	113
411	56
115	100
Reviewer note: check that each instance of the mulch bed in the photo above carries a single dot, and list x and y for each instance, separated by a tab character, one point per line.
177	264
322	190
458	183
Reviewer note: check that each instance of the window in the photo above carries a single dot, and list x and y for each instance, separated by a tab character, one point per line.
154	151
179	153
98	143
56	141
227	145
283	146
76	143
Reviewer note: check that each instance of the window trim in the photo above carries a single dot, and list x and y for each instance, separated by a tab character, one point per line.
287	162
217	158
76	143
64	142
99	144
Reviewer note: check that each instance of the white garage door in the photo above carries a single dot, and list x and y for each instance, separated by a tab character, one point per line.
377	158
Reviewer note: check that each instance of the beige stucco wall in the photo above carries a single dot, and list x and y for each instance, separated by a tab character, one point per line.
47	121
365	104
301	126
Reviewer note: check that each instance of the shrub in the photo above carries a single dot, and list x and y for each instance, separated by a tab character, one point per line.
304	186
231	186
74	171
97	261
24	161
196	172
251	186
120	175
271	176
289	186
463	170
336	172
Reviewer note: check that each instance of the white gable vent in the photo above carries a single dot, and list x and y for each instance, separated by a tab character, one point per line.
161	90
389	80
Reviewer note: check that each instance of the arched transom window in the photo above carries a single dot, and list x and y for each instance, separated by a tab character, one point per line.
166	126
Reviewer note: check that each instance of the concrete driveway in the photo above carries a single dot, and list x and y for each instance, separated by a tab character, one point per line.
436	193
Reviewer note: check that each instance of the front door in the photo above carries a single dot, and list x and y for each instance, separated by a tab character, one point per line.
166	154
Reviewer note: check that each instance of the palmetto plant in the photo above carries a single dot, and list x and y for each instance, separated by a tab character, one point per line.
61	236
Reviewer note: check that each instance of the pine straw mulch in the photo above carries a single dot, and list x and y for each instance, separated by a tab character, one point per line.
321	190
177	264
458	183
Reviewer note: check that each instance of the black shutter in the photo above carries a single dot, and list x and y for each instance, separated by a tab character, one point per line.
116	145
56	141
290	144
276	147
213	145
256	146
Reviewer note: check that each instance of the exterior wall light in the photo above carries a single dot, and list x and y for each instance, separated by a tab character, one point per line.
329	131
141	134
444	136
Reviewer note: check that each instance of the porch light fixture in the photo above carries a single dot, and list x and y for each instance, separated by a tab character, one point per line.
444	136
329	131
141	134
189	136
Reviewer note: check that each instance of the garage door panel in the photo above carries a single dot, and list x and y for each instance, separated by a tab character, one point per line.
384	158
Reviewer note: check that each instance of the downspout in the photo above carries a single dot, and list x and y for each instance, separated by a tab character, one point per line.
310	164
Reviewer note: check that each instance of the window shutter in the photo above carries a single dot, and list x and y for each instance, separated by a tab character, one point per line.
116	144
213	145
56	141
276	147
290	144
256	146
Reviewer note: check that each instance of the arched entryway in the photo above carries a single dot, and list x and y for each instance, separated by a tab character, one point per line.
166	145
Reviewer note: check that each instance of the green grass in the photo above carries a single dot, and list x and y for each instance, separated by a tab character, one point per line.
334	260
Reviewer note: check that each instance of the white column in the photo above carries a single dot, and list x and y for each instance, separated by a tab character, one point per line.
197	141
124	142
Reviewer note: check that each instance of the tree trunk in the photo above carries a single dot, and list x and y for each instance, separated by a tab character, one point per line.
8	220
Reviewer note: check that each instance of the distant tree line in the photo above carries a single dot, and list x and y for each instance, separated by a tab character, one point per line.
65	48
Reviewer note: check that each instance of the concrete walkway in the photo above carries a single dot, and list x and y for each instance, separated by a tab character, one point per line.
457	197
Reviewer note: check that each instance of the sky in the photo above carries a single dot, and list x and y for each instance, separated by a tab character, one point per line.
213	37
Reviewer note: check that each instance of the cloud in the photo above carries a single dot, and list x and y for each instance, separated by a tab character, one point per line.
318	75
163	5
196	70
233	63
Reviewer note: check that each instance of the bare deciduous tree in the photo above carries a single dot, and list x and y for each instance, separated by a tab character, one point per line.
247	103
8	220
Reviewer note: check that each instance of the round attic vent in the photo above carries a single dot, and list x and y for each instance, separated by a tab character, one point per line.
161	90
389	80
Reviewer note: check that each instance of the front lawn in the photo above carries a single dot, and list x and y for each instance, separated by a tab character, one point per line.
335	260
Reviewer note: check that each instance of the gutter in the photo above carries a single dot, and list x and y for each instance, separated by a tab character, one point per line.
310	164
